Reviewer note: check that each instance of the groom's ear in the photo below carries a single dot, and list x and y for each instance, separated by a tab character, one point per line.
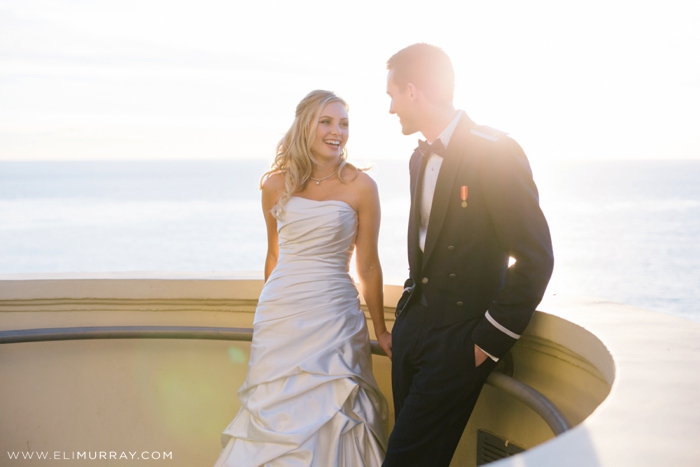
412	91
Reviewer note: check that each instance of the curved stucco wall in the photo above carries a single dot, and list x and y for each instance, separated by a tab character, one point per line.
127	395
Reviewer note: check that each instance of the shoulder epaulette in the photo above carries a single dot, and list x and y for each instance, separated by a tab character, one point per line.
488	133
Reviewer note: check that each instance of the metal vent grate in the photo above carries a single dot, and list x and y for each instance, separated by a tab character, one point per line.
490	448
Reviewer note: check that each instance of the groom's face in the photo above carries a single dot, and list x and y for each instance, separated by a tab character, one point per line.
402	104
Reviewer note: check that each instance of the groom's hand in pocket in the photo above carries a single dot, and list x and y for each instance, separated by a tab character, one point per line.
479	356
384	341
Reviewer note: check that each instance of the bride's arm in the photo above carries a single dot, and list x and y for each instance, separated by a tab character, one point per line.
369	270
271	192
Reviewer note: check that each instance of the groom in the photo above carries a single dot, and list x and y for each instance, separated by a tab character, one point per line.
474	204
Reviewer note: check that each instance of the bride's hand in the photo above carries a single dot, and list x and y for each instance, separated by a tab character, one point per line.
384	341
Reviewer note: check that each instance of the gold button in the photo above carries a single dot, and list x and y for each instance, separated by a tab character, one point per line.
425	280
450	247
453	275
460	303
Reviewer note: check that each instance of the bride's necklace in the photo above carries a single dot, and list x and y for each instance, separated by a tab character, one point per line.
319	180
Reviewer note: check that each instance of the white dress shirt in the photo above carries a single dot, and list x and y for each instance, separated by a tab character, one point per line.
432	169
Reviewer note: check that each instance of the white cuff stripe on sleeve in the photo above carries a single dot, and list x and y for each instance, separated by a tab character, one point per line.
495	359
501	328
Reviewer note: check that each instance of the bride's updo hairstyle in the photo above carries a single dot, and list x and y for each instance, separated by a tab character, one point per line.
294	158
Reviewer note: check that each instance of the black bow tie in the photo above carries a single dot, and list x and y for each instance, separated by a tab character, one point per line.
427	149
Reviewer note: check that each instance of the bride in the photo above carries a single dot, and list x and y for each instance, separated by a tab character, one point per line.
310	398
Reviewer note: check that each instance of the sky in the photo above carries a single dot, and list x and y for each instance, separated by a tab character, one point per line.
172	79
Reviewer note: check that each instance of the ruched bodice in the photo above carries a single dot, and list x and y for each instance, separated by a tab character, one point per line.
313	231
316	240
309	398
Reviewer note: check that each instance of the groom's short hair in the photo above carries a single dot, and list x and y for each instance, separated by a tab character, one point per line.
427	67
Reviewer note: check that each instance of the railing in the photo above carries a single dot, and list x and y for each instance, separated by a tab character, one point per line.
519	391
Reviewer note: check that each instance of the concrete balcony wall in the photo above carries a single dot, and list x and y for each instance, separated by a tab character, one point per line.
173	395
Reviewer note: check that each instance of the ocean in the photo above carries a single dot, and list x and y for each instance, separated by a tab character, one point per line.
626	231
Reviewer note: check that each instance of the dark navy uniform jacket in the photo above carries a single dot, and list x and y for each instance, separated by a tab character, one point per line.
463	273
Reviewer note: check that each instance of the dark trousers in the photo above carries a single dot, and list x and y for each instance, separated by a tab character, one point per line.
435	385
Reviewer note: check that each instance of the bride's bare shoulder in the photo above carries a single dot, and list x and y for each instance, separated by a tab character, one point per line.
363	186
365	181
273	182
272	189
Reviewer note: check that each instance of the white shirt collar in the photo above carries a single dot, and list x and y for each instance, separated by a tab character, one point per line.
446	134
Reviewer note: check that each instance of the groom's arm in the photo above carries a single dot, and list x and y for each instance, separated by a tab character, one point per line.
512	200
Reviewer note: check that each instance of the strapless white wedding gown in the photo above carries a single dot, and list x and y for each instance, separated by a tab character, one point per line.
309	398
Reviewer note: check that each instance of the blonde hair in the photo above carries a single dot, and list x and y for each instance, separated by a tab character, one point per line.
294	159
